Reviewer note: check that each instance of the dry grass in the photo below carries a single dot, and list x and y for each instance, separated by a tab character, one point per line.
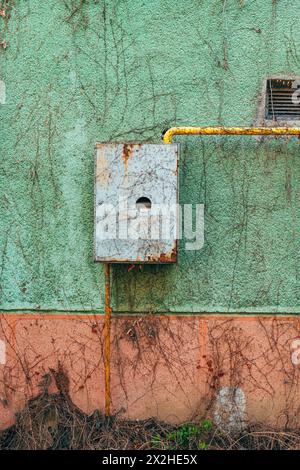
54	422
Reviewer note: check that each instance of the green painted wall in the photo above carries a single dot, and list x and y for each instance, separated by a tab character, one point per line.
77	72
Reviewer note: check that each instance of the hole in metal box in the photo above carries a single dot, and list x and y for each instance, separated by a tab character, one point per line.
143	203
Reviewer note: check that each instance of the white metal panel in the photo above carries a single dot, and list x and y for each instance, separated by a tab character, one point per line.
124	232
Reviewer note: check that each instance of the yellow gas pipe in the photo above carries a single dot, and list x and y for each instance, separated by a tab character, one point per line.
275	131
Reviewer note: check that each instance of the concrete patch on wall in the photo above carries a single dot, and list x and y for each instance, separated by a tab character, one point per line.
230	409
295	352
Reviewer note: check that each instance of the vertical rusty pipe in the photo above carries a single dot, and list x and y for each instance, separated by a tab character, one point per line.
107	325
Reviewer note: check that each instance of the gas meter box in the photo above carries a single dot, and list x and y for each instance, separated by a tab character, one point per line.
136	203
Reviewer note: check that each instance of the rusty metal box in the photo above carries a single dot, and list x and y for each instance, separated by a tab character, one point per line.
136	203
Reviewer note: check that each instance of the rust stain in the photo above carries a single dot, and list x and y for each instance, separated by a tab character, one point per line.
126	154
170	257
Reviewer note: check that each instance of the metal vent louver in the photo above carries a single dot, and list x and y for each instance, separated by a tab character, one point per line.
282	101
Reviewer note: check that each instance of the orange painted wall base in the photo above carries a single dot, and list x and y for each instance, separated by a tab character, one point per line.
176	368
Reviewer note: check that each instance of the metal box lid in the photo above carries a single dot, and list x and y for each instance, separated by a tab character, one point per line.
136	203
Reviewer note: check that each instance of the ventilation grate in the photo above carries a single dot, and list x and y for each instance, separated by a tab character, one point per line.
282	101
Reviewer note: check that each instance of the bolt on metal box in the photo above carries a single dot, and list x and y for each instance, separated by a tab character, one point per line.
136	203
